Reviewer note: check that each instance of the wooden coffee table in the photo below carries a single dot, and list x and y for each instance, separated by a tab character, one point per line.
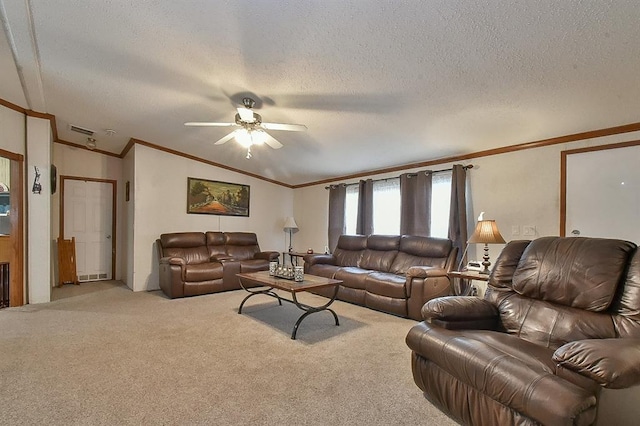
311	282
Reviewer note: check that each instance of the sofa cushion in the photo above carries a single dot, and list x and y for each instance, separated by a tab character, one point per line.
421	251
203	272
578	272
386	284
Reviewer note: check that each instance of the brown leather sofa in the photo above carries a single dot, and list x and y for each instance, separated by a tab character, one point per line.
393	274
194	263
558	327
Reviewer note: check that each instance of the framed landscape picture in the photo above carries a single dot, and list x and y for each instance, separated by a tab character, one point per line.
219	198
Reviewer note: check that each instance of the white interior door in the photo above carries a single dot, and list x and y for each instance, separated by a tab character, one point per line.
87	217
603	194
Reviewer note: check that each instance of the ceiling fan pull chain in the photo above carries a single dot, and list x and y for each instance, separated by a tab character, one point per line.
248	153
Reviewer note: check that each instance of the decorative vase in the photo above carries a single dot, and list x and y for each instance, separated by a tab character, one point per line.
272	268
298	273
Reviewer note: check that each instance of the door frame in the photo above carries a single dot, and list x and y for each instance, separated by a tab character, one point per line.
17	237
114	193
563	174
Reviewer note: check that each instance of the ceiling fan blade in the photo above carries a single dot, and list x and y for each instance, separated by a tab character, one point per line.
224	139
208	124
246	115
272	142
283	126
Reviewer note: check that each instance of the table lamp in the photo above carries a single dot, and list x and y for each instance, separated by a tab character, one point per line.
290	226
486	233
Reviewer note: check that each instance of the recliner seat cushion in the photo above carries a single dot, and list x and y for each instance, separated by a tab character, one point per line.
352	277
203	272
386	284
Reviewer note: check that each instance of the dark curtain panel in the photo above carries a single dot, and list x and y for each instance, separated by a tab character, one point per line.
364	225
458	212
415	203
337	197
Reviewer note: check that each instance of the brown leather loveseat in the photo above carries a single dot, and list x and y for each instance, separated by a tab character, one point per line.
194	263
558	328
393	274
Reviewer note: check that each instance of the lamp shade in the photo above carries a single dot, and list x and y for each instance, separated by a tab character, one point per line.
290	224
486	232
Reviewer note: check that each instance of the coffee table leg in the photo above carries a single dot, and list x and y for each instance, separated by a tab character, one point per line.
312	310
269	292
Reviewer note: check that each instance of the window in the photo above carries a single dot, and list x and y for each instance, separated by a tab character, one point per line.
386	206
351	209
440	204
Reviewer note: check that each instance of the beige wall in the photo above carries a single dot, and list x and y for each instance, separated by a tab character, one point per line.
12	133
516	189
160	206
78	162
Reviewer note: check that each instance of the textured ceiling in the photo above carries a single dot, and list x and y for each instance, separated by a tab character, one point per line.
378	83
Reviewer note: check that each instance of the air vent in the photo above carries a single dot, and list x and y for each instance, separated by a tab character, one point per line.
81	130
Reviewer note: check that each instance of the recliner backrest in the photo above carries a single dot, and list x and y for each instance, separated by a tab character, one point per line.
216	243
380	252
191	246
349	250
241	245
421	251
555	290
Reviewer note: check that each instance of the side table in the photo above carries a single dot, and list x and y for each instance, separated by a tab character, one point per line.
292	255
458	276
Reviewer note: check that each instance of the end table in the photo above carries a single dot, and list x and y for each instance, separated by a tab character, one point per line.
458	276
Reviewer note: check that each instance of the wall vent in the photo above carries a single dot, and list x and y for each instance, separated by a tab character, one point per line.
81	130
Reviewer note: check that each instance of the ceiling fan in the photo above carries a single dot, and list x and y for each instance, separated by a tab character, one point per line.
251	128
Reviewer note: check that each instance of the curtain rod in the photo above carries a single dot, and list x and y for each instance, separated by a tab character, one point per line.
470	166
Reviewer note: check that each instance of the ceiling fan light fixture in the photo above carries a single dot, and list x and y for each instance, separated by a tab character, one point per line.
258	137
243	137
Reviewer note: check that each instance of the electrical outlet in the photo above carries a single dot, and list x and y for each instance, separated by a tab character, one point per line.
528	230
515	230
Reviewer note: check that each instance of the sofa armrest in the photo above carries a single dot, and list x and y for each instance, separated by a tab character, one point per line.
317	259
614	363
220	258
425	272
173	261
461	312
267	255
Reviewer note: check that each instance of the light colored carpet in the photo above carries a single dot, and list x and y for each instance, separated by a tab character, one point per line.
101	354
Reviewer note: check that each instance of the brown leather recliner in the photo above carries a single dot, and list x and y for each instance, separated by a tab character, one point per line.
559	325
194	263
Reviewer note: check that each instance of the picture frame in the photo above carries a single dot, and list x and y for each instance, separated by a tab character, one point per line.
217	198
